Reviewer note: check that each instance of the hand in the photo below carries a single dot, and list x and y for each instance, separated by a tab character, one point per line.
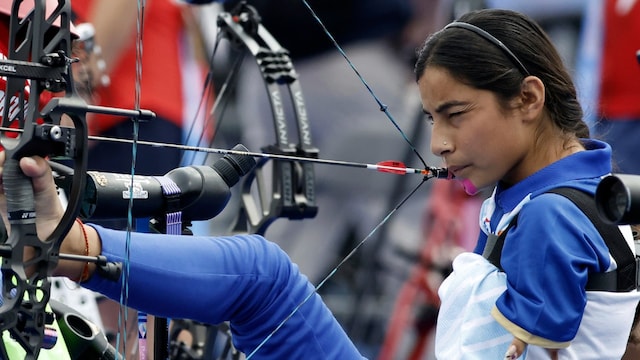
49	211
48	208
517	348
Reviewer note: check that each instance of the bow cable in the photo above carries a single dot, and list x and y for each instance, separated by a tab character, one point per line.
219	106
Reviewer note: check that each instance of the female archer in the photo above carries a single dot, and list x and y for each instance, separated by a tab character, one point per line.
505	115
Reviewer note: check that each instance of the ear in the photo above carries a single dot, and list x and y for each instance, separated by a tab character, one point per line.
532	97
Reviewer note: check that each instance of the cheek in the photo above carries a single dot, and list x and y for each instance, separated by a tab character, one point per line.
472	145
477	137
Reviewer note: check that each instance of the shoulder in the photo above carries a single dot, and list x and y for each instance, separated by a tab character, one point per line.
557	223
562	196
549	205
558	214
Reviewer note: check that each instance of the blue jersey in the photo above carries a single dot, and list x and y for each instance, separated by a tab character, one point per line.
540	298
554	245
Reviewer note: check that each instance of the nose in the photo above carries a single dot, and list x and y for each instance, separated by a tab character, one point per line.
440	146
441	138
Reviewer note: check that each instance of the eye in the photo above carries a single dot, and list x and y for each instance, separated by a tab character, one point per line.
429	118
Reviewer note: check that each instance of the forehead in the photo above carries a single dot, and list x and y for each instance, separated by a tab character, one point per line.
438	86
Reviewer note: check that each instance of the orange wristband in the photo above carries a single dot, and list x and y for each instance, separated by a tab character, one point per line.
85	270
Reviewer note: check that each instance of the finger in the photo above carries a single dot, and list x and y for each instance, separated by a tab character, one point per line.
47	203
39	171
512	353
34	167
515	349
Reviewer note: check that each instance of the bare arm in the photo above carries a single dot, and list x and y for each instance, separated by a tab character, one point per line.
115	23
114	26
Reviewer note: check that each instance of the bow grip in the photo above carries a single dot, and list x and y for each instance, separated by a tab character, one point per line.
24	298
19	193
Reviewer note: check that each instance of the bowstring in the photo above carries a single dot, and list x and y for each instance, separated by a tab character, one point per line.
123	314
384	108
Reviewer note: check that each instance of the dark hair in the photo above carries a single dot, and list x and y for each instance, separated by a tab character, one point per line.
482	63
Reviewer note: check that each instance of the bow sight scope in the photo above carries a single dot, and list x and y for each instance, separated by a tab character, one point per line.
618	199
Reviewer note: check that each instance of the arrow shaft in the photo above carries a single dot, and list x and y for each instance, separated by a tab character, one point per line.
429	172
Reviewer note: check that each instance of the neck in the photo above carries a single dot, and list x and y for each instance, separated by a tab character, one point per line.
548	147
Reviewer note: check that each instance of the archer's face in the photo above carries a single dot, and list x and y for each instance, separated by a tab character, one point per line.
479	140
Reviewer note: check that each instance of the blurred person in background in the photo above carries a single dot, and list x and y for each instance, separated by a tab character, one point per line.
172	79
619	91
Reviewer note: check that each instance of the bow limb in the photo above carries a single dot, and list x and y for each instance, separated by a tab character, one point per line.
292	193
25	287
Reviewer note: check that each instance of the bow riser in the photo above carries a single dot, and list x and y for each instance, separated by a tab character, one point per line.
26	287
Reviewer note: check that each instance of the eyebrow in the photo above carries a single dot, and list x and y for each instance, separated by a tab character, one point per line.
447	105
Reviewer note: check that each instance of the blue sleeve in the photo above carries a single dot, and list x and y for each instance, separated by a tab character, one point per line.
243	279
547	258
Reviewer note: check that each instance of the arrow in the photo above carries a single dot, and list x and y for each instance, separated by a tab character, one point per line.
387	166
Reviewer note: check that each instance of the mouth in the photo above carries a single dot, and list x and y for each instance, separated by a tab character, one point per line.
457	170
